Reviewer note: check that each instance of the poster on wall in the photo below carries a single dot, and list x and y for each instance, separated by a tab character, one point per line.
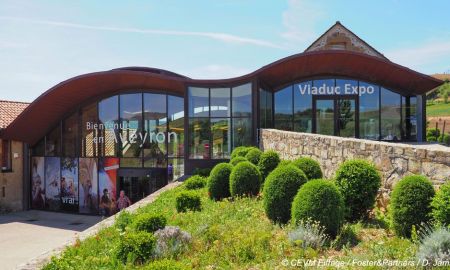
88	187
37	183
52	183
69	184
107	175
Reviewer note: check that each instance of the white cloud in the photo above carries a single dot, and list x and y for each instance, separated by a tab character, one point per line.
223	37
420	56
216	71
300	20
11	45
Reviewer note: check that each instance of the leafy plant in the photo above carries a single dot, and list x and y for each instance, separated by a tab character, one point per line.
219	181
347	237
135	247
435	246
441	205
188	200
235	161
280	188
165	264
171	241
268	162
149	222
433	134
245	180
308	234
411	203
123	219
240	151
195	182
309	166
358	181
254	155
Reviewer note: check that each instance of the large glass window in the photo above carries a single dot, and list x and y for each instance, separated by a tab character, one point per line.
265	109
220	102
242	131
199	129
176	126
283	109
242	100
369	111
131	125
155	117
89	130
198	102
220	130
409	114
53	142
70	135
302	107
390	115
108	116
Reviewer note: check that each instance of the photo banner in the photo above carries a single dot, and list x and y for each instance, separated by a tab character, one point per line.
52	183
37	183
69	184
108	184
88	187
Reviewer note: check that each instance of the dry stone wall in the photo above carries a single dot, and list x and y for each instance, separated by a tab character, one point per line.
393	160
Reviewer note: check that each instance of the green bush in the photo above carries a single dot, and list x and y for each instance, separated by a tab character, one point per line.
319	200
358	181
253	155
219	181
411	203
435	246
280	188
188	200
284	162
135	247
165	264
433	134
240	151
195	182
235	161
268	162
202	171
245	179
445	139
148	222
309	166
441	206
123	219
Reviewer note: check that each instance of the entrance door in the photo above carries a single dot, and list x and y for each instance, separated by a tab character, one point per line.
335	115
139	183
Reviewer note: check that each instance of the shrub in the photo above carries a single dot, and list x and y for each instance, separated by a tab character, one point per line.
445	139
195	182
358	182
320	201
441	205
435	246
309	166
245	179
411	203
347	237
123	219
235	161
253	155
219	181
268	162
188	200
165	264
308	234
202	171
284	162
280	188
433	134
171	241
149	222
135	247
240	151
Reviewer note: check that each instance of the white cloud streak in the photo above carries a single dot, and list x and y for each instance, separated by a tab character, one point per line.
223	37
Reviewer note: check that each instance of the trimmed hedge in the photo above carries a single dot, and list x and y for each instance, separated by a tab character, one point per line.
358	181
240	151
411	203
188	200
202	171
309	166
235	161
195	182
245	180
135	247
319	200
284	162
219	181
441	206
268	162
149	222
253	155
280	188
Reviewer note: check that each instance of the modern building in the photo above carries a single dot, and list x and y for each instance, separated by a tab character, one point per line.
135	129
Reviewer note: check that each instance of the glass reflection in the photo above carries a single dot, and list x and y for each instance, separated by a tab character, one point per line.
220	102
131	125
155	118
369	113
242	100
108	116
283	109
242	132
390	115
302	108
199	138
176	126
220	129
198	101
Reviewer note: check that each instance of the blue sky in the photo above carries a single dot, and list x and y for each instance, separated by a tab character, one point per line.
45	42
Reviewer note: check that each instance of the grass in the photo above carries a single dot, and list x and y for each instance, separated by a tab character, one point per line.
438	109
235	235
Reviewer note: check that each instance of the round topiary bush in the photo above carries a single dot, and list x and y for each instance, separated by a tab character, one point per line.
284	162
309	166
235	161
320	201
441	206
253	155
358	181
245	180
219	181
195	182
280	188
135	247
268	162
188	200
240	151
411	203
149	222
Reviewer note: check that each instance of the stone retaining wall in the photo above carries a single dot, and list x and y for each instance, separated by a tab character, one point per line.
394	160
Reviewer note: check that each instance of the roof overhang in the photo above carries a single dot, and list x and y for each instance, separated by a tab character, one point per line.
56	103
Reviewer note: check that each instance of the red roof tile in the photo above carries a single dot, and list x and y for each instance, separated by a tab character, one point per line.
9	110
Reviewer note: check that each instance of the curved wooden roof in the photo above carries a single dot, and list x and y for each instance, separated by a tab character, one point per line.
42	114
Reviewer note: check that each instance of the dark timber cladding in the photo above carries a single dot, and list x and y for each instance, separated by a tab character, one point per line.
59	101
